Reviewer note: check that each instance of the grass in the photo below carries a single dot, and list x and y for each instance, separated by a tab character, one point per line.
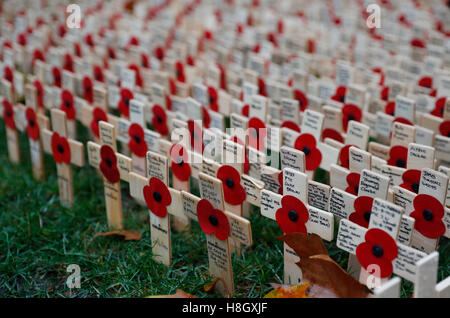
40	238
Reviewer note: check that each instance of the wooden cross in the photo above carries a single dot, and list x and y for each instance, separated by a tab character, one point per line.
65	152
114	167
8	112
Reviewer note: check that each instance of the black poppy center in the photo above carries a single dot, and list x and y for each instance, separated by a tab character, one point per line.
367	216
87	88
137	138
67	103
211	99
427	214
306	150
213	220
38	92
442	111
98	76
400	163
126	101
157	196
8	113
377	251
356	189
230	183
351	117
293	215
31	122
60	148
342	98
8	77
108	162
415	187
178	73
159	119
57	79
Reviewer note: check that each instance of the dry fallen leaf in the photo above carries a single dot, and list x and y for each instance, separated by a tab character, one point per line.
282	291
179	294
127	235
210	287
327	277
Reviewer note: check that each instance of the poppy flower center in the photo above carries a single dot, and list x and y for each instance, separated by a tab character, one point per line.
157	196
8	113
351	117
377	251
31	122
60	148
8	77
211	99
400	163
108	162
415	187
97	76
427	215
367	216
57	79
356	189
442	111
137	139
159	119
342	99
126	101
87	88
213	220
230	183
67	103
38	92
292	215
306	150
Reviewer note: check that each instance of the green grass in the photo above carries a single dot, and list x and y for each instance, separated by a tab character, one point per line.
39	238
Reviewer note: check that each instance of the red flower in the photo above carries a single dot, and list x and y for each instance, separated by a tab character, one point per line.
56	76
60	149
68	62
223	78
22	39
384	94
8	114
67	104
350	112
378	249
33	126
444	128
88	90
280	182
363	209
257	133
196	136
301	98
89	39
426	81
139	80
344	156
439	107
172	86
271	37
233	191
124	104
212	221
402	121
77	49
168	102
180	166
333	134
292	215
61	30
159	53
98	115
245	110
39	93
145	61
206	117
108	164
307	143
398	156
428	213
159	120
98	73
339	95
291	125
37	55
213	99
411	180
246	162
190	60
262	87
179	71
111	53
8	74
157	196
417	43
390	108
137	143
353	183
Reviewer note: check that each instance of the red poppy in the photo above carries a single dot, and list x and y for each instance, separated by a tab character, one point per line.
245	110
145	60
417	43
439	106
363	209
262	87
353	183
179	165
179	72
301	98
344	156
67	104
292	215
291	125
190	60
213	99
271	37
137	143
8	114
223	78
111	53
159	53
39	93
196	136
444	128
32	126
168	102
22	39
60	149
108	164
390	108
98	115
159	120
426	81
88	90
206	117
157	196
280	182
56	76
307	144
137	72
89	40
379	249
339	95
428	213
411	180
124	104
62	30
98	73
384	94
333	134
402	120
8	74
233	191
212	221
350	112
77	49
37	55
398	156
257	133
68	62
134	41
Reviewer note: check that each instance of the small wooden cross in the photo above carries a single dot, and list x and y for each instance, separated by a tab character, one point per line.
65	152
114	167
8	112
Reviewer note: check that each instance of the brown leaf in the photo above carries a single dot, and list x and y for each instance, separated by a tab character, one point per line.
299	291
179	294
127	235
210	287
304	244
